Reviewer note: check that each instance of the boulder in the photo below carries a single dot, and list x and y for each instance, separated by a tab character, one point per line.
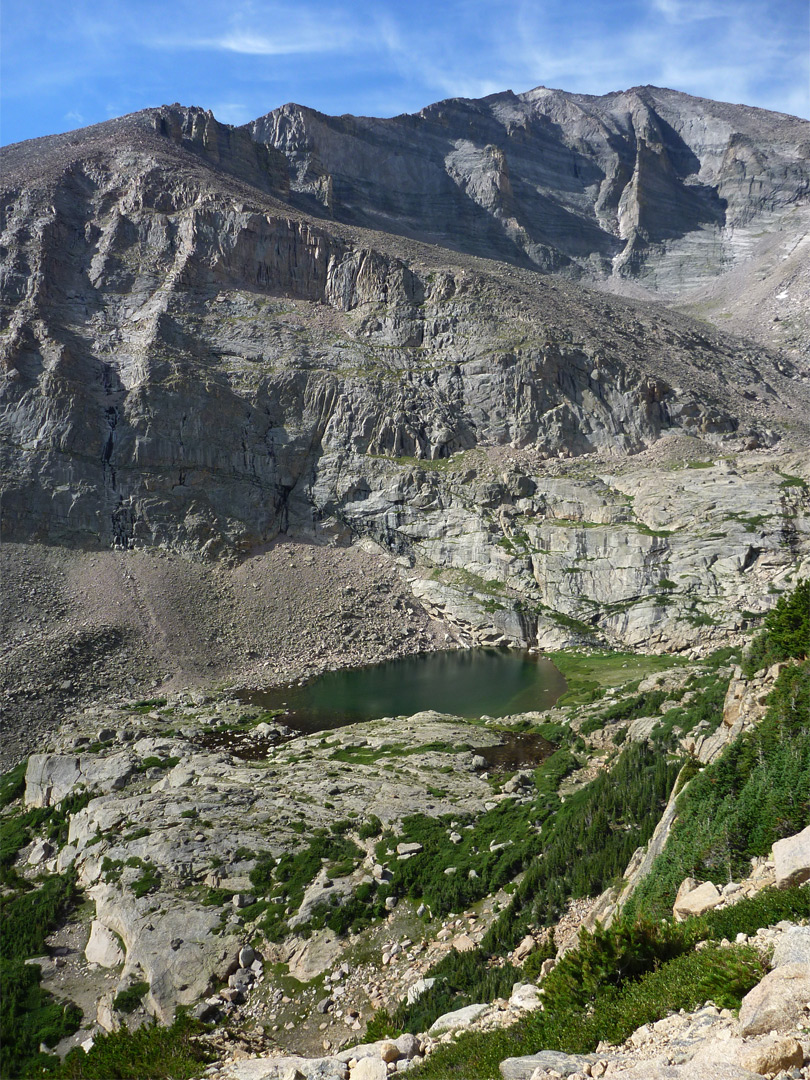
524	949
103	948
111	773
321	890
40	851
460	1018
369	1068
310	958
695	900
389	1051
793	947
523	1068
408	849
285	1068
65	858
408	1046
463	943
773	1056
106	1016
418	988
49	778
526	996
791	859
242	980
778	1002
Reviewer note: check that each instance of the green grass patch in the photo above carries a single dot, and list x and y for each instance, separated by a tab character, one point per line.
589	674
12	784
790	481
154	762
287	879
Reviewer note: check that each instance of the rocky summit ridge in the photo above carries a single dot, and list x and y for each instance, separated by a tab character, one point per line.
648	187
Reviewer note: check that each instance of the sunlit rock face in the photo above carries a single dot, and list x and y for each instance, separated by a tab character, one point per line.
693	199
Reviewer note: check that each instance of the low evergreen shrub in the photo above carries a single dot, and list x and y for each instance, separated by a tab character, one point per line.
129	1000
150	1053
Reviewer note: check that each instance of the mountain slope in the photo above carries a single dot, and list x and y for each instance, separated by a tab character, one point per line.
192	362
182	348
647	187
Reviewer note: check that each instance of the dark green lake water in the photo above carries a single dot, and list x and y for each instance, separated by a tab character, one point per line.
465	682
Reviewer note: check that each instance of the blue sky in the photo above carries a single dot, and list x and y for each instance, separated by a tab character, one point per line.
70	63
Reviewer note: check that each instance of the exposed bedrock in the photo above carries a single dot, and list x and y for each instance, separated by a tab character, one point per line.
193	365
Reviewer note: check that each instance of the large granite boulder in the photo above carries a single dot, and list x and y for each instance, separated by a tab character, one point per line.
695	899
778	1002
459	1018
791	859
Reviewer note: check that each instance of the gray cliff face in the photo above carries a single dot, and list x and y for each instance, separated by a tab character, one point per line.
193	363
648	186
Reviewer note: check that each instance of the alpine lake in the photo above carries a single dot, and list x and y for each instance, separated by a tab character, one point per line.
473	683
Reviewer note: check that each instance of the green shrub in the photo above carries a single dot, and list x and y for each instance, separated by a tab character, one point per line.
17	829
757	792
218	897
534	962
787	631
150	1053
747	916
29	1015
588	842
372	826
610	957
423	877
722	975
154	762
28	918
461	979
380	1026
129	1000
147	882
288	878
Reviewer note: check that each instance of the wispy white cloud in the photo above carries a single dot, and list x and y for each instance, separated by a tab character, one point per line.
690	11
254	43
267	30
